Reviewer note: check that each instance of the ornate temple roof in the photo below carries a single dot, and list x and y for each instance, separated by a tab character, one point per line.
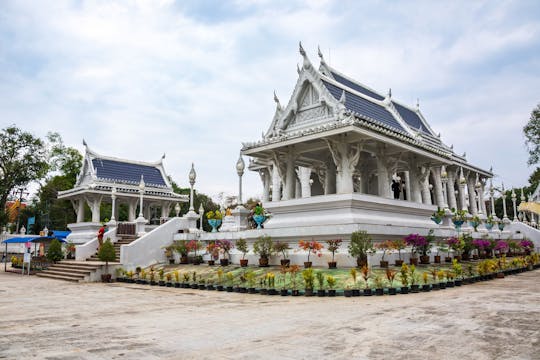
128	173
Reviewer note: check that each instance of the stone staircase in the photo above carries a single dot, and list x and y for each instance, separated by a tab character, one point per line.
68	270
122	240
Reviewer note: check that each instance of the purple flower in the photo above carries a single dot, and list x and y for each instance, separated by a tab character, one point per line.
481	243
501	245
526	244
452	241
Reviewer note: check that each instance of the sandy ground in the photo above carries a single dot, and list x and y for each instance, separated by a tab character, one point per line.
50	319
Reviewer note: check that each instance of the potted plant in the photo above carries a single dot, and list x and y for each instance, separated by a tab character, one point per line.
250	278
284	291
467	246
379	285
219	274
161	275
55	254
176	275
105	253
418	244
213	251
390	275
441	276
458	272
194	246
453	243
359	246
490	222
169	253
242	246
224	247
282	247
309	279
501	247
259	215
312	246
293	271
354	275
263	247
333	247
366	274
459	217
398	244
384	246
527	246
475	222
404	277
141	279
438	216
70	250
214	219
181	248
425	280
441	247
168	277
271	281
413	279
152	276
320	280
229	276
185	283
331	281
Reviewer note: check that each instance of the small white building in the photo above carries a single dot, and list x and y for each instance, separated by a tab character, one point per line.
105	179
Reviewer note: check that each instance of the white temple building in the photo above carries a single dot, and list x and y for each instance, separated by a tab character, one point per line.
105	179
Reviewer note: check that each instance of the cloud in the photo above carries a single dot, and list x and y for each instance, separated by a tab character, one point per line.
194	78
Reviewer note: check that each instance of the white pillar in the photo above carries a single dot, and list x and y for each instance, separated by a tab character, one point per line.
80	211
265	178
472	195
438	191
276	183
96	204
304	174
113	206
132	207
290	177
382	177
514	198
414	179
450	190
408	185
426	194
330	178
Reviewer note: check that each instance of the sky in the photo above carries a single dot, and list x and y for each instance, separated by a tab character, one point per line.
195	79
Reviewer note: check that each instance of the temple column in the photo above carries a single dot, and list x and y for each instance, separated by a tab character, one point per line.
439	200
330	178
407	186
472	195
481	194
276	183
265	178
132	207
304	174
416	192
96	204
289	184
383	182
462	184
450	189
298	189
426	194
80	210
345	158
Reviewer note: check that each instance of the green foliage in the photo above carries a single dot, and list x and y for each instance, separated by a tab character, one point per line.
106	252
320	279
54	253
242	246
281	247
331	281
532	136
23	158
309	278
360	244
263	246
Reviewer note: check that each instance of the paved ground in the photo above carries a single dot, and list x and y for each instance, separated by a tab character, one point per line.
50	319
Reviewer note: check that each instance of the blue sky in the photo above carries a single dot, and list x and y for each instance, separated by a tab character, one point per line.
194	79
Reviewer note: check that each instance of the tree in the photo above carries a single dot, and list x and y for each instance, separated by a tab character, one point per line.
54	253
532	136
23	158
106	253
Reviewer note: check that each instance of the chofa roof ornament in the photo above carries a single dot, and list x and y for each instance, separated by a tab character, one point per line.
307	63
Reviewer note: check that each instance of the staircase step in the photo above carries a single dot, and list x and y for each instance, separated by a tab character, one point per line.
64	273
57	277
84	271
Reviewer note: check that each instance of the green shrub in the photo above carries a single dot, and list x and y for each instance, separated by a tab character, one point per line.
55	253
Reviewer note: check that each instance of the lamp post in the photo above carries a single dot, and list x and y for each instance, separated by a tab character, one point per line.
201	214
240	166
142	186
522	198
478	187
444	181
113	206
192	177
492	199
505	216
514	197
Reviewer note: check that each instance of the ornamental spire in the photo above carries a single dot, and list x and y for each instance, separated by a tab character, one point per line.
320	54
307	63
343	98
278	105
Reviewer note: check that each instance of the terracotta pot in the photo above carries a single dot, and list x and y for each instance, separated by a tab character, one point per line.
437	259
361	261
285	262
224	262
458	258
383	264
332	264
243	262
413	261
307	264
211	262
424	259
183	260
399	262
263	262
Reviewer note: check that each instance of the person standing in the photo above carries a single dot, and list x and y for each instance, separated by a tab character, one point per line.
395	189
100	234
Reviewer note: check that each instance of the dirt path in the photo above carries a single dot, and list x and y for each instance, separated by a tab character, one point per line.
49	319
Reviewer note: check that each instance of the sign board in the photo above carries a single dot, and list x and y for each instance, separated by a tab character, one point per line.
27	257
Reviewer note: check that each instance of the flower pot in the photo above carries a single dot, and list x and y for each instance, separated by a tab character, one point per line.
153	283
436	220
210	287
285	262
263	291
404	290
447	259
437	259
202	287
243	262
194	286
229	289
106	278
214	223
347	293
177	285
435	286
332	264
220	288
361	261
424	259
211	262
475	257
450	284
500	275
295	292
391	291
307	264
398	263
308	292
415	288
383	264
379	292
356	292
183	260
458	258
224	262
283	292
413	261
321	293
242	290
252	290
458	282
442	286
263	262
259	219
426	287
168	284
332	292
367	292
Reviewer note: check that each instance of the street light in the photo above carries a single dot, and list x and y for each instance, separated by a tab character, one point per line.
201	214
240	166
192	177
141	192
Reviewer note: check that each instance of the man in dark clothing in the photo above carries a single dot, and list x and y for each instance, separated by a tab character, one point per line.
396	189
